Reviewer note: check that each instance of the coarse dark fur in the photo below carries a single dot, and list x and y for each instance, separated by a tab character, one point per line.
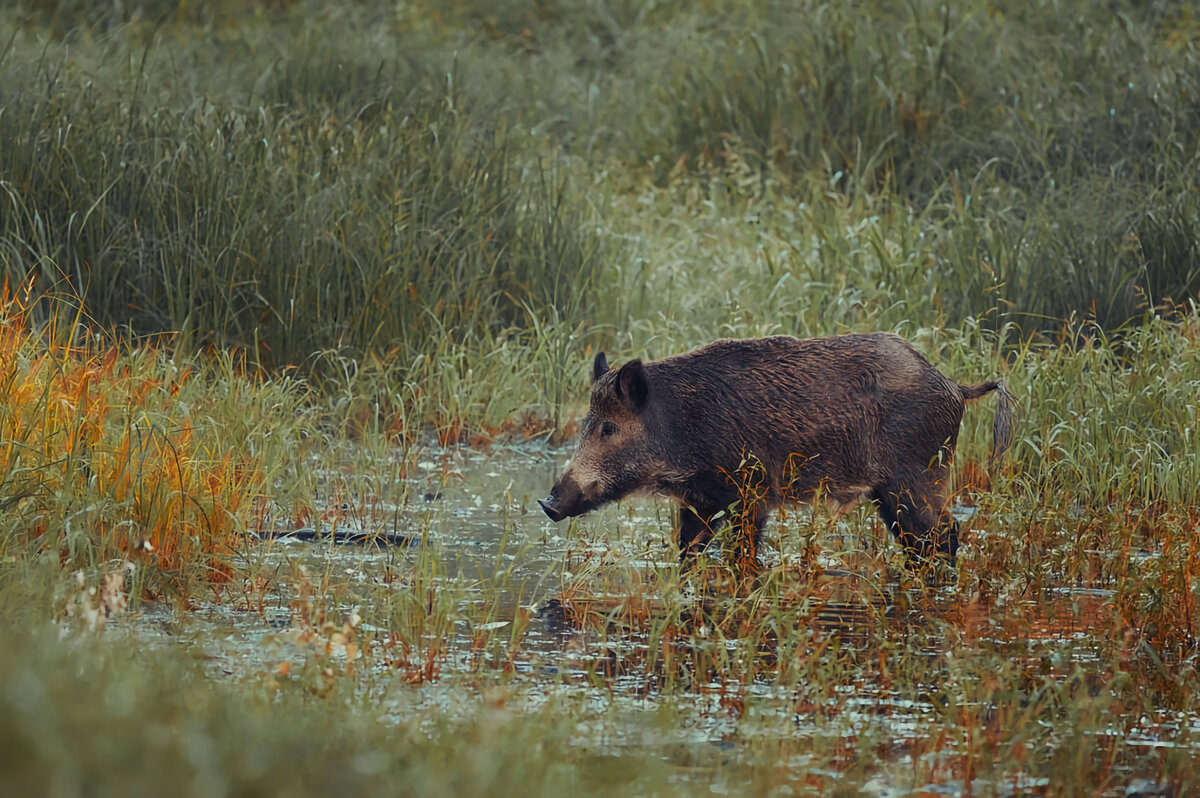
844	419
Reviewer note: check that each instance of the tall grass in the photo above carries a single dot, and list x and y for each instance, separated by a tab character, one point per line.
130	457
328	196
437	214
104	721
377	179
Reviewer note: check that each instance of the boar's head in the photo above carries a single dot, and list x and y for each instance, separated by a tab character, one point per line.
614	456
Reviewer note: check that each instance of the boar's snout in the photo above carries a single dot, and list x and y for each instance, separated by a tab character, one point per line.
566	500
550	505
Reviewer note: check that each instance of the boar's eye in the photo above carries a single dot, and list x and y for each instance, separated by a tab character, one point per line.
607	428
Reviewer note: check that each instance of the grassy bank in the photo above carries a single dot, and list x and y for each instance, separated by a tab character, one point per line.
91	717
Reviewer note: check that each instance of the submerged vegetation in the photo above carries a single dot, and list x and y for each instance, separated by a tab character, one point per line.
276	266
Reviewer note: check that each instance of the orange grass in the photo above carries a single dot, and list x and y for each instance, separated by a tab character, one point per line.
79	425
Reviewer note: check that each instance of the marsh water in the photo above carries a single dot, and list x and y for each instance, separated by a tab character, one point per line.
467	522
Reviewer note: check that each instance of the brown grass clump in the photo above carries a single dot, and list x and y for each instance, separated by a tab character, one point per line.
100	459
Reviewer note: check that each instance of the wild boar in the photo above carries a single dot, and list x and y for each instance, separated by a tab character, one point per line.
844	419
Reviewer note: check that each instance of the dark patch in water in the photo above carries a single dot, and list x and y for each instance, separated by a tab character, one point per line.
553	616
308	534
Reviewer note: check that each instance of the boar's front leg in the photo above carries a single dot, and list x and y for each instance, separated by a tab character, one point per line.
695	533
696	530
914	511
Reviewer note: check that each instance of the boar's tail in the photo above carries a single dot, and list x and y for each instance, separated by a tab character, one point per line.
1002	427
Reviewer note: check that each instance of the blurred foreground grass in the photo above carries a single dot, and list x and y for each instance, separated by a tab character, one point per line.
101	718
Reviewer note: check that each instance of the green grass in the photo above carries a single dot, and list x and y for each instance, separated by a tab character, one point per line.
293	206
371	180
94	718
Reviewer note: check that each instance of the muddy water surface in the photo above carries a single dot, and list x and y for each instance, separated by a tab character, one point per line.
466	523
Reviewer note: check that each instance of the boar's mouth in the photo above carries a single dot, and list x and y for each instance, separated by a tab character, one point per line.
557	509
566	500
550	506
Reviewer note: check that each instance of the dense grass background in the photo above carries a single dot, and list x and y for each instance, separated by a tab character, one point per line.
293	179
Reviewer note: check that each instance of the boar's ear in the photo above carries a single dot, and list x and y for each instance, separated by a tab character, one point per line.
632	387
599	367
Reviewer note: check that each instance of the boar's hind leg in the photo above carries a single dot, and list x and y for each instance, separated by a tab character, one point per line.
913	511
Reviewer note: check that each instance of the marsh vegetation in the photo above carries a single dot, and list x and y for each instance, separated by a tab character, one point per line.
274	266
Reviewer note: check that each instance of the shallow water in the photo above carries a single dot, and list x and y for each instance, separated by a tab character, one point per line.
506	563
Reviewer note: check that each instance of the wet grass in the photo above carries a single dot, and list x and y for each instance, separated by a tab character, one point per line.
100	718
275	266
110	453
